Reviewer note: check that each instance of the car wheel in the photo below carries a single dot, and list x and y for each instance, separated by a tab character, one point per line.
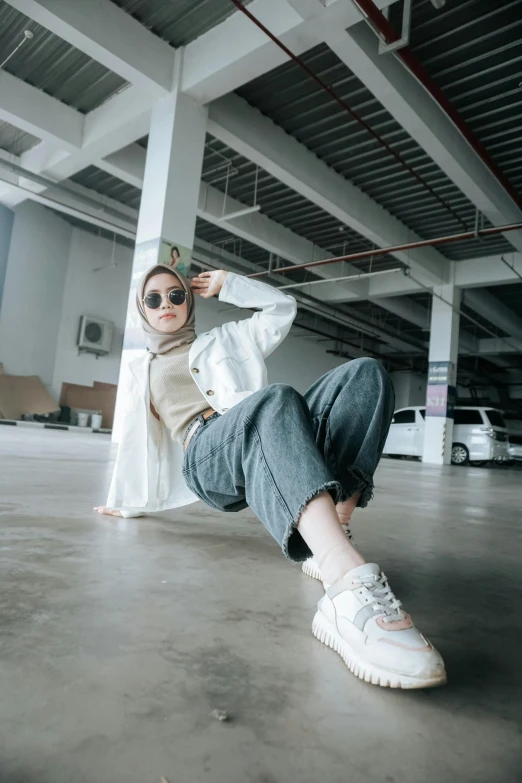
478	463
459	454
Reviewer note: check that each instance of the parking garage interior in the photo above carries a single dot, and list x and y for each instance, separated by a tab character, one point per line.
362	157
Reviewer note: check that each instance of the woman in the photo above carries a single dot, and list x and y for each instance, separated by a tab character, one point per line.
236	442
176	261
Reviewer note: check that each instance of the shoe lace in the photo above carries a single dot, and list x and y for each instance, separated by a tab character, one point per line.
385	602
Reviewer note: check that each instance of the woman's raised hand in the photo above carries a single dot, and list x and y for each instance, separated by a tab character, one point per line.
208	284
111	512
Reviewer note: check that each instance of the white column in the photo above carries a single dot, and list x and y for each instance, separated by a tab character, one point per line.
167	216
442	375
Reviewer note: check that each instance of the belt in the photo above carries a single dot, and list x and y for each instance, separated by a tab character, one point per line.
195	425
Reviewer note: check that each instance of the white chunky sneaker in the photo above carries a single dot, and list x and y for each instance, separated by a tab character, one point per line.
361	619
310	567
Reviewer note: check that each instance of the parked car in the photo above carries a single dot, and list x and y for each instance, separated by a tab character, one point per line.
479	435
515	447
514	427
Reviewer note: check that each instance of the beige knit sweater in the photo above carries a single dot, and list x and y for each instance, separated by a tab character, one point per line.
173	392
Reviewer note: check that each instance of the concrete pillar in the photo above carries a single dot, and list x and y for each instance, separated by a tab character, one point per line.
168	209
442	375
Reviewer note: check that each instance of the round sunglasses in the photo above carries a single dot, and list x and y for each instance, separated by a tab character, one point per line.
154	300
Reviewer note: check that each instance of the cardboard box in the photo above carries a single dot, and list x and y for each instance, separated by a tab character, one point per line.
21	394
91	398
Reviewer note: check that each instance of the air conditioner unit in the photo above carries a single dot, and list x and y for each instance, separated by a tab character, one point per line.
94	335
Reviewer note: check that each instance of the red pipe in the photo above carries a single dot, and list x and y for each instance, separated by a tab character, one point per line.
418	70
348	109
485	232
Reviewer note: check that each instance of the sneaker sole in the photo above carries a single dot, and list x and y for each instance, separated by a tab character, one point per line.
312	570
323	630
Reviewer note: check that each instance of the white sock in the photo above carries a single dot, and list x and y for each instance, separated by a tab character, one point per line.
320	528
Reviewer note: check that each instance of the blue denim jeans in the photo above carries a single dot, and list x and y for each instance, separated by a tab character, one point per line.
278	449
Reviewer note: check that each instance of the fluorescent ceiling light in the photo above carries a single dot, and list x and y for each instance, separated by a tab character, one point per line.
239	213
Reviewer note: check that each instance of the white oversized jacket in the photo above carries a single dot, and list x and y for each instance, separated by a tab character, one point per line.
227	364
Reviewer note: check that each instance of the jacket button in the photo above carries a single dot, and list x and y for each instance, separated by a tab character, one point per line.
210	392
225	409
195	370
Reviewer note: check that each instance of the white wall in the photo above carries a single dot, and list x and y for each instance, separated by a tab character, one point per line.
102	294
410	389
31	305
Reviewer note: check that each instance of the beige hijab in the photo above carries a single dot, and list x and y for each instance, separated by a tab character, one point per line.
159	342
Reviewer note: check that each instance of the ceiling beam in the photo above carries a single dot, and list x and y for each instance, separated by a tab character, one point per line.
236	51
419	315
407	309
489	307
129	165
473	273
233	121
115	124
489	270
126	47
491	346
34	112
222	59
110	36
426	122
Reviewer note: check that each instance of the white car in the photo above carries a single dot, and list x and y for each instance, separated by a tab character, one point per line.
479	435
515	442
515	447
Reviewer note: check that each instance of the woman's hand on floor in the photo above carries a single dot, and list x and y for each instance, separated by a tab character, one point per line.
208	284
111	512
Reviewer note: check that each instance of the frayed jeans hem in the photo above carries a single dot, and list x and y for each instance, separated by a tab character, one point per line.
357	481
294	546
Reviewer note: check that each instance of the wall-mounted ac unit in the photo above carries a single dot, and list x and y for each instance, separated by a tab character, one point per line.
94	335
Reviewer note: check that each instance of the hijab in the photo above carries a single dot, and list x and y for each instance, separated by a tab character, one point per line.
161	342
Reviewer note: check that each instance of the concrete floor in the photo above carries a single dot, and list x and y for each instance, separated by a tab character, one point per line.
118	638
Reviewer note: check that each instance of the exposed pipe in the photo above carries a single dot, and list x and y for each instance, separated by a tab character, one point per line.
349	110
346	277
60	188
390	34
311	304
130	234
484	232
73	211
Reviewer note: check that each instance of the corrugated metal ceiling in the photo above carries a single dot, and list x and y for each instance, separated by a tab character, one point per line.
14	140
292	100
472	48
277	202
53	65
181	21
287	207
281	203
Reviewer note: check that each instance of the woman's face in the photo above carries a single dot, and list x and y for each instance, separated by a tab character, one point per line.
167	317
